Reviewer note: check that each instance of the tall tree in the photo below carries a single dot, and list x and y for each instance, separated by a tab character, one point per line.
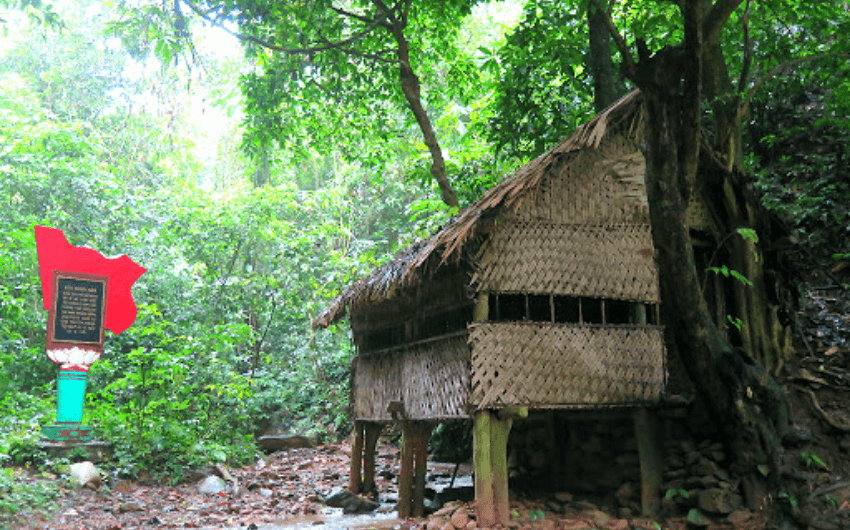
606	88
339	68
546	88
734	382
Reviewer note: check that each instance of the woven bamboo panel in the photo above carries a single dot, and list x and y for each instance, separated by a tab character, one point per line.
560	365
430	378
596	261
602	185
593	186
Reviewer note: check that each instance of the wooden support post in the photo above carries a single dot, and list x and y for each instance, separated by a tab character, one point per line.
650	461
638	315
405	476
420	465
490	458
481	460
414	468
370	442
499	431
481	311
514	412
553	455
354	480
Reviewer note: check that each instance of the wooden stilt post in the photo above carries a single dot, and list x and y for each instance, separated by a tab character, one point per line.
482	461
414	468
500	429
650	461
405	477
553	454
420	464
370	442
354	479
490	458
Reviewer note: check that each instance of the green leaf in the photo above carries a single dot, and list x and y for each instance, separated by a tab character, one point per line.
741	278
749	234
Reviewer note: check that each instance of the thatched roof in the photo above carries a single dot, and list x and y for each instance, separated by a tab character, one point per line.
405	269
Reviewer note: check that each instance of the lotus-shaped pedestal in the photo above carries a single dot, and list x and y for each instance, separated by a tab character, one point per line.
74	358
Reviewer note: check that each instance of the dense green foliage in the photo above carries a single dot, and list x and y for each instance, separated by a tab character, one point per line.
800	133
222	348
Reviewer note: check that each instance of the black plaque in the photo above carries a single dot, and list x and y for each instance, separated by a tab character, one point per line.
78	317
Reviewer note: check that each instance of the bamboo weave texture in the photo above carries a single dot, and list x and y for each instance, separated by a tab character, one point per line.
561	365
595	261
431	379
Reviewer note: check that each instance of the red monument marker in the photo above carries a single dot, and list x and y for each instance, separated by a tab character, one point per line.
84	294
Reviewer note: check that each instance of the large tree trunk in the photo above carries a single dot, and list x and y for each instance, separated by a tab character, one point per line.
410	88
725	192
741	397
606	88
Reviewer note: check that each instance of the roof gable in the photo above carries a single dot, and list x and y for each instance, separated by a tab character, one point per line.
510	197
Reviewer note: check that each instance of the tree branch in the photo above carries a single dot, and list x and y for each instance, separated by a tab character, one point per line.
392	20
717	16
826	417
748	52
355	16
628	60
776	70
325	46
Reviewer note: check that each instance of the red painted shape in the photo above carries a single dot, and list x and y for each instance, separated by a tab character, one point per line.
56	254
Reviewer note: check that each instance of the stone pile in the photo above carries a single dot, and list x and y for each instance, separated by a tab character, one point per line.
696	483
697	491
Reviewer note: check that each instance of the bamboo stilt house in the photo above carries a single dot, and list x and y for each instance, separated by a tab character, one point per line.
541	295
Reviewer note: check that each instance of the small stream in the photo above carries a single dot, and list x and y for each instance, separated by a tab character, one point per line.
439	479
330	521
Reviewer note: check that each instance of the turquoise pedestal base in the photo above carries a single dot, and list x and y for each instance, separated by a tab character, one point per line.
66	432
69	409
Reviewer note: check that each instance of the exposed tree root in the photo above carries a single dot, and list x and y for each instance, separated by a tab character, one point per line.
826	417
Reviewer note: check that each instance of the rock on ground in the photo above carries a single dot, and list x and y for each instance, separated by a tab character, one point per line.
271	444
349	502
212	485
86	474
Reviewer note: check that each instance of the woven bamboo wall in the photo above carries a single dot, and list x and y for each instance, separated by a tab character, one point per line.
561	365
593	186
600	186
430	378
544	258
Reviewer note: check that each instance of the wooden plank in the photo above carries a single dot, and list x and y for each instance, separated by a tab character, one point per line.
354	480
372	433
402	347
405	477
420	465
650	462
484	500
